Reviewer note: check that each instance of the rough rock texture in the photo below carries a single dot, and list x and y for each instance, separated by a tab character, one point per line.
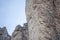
25	35
20	33
17	34
43	17
4	34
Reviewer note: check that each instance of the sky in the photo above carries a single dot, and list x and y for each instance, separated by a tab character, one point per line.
12	13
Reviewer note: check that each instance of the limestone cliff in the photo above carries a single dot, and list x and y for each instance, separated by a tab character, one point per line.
43	17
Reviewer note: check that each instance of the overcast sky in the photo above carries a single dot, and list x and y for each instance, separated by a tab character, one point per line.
12	13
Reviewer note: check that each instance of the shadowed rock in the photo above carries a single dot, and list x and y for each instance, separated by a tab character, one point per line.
20	32
4	34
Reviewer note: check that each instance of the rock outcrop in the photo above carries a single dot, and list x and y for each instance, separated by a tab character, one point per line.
17	34
43	17
4	34
20	33
25	35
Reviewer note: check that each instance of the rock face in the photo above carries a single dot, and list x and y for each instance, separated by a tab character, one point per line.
25	35
20	33
43	17
4	34
17	34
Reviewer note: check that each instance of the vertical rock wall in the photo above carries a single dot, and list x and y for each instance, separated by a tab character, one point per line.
43	19
57	17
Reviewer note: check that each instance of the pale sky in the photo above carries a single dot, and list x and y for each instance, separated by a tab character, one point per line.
12	13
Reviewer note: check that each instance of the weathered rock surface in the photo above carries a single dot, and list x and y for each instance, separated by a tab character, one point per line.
20	33
25	32
17	34
43	17
4	34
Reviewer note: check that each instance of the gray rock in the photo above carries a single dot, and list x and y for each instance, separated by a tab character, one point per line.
17	34
43	17
20	33
4	34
